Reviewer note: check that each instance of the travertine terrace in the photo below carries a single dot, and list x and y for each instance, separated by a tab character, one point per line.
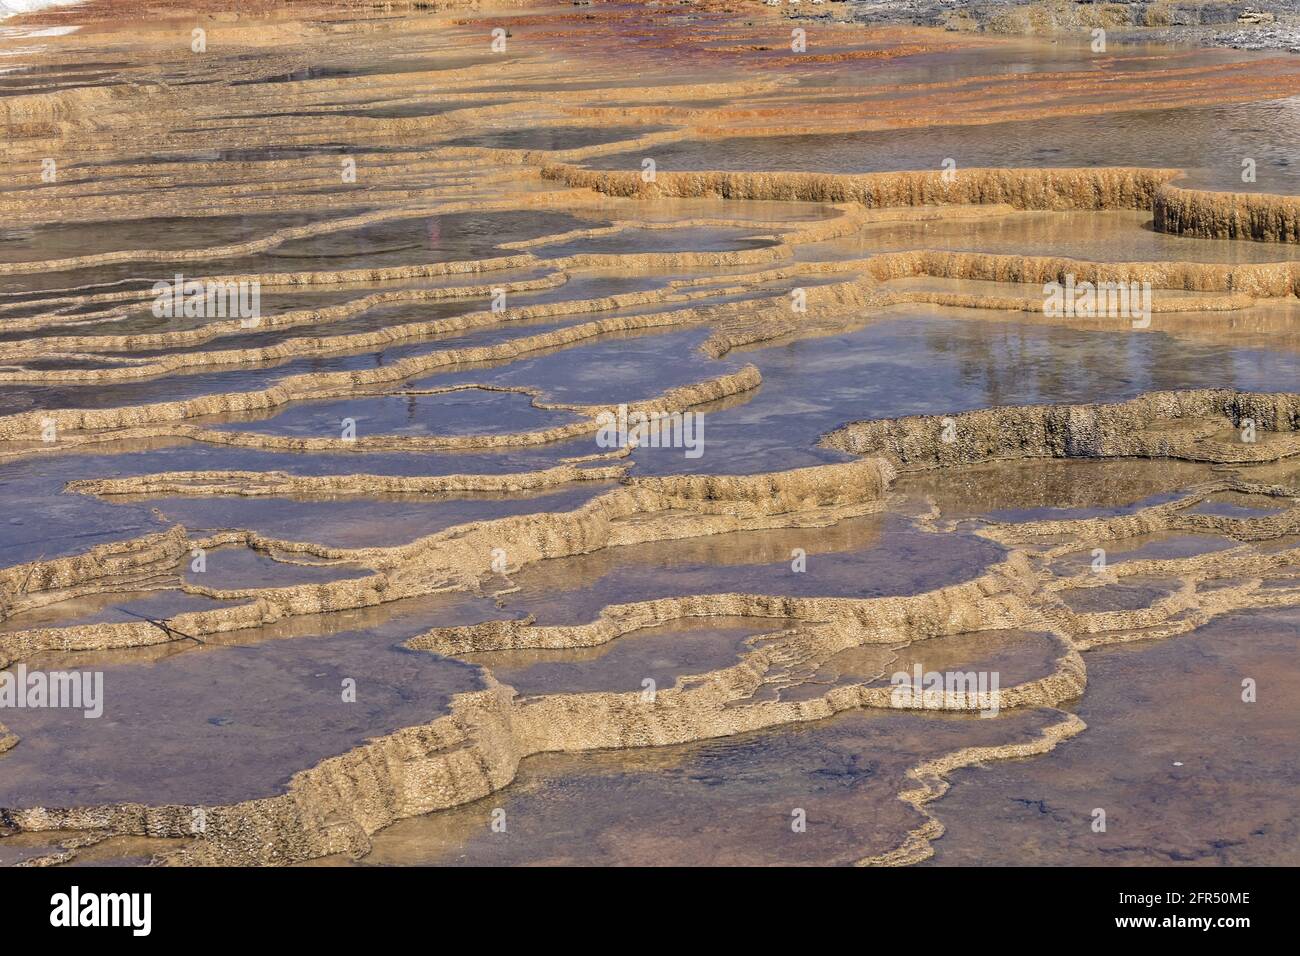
478	234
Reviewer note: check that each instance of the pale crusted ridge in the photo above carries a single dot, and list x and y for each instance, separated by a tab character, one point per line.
1187	424
1088	188
279	483
1259	216
167	418
288	349
461	556
932	778
290	828
1262	217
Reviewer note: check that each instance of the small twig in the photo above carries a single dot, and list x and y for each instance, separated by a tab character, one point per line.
164	627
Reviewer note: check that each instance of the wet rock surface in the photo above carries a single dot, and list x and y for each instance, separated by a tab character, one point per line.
399	548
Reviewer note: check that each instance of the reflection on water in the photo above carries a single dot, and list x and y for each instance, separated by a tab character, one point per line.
235	717
723	802
860	557
1170	745
921	361
1208	142
222	724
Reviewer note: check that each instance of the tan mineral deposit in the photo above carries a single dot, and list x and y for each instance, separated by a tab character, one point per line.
417	410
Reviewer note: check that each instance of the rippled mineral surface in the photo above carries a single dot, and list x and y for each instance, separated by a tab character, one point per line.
640	433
